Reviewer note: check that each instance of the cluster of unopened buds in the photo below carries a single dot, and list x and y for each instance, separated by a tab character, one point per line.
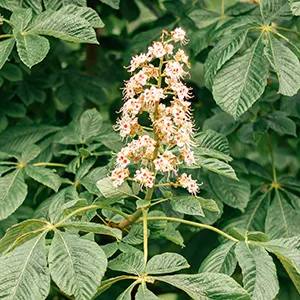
156	88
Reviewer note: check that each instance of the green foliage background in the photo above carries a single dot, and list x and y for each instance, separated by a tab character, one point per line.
61	70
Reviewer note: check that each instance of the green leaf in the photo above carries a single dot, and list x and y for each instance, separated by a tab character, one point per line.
166	263
220	260
13	191
24	273
84	168
86	13
216	166
242	80
282	218
232	192
259	271
207	286
295	7
95	228
187	205
213	144
113	3
20	18
288	252
286	64
112	193
32	49
282	124
222	52
269	9
6	47
29	153
44	176
12	72
126	295
144	294
76	265
130	262
135	235
64	25
19	234
90	180
90	124
255	214
12	5
16	138
57	4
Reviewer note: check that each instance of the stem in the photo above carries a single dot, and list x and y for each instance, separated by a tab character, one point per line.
223	8
159	201
272	159
8	163
193	224
145	227
132	219
288	30
90	207
41	164
2	36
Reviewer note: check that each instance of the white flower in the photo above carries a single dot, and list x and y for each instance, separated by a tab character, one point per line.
182	57
137	61
151	98
118	176
144	177
165	162
188	183
127	125
157	50
179	35
174	70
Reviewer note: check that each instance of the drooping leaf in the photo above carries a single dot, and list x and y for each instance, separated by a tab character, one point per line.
259	271
189	205
13	191
288	252
131	262
220	260
95	228
11	72
286	64
44	176
232	192
29	153
24	273
90	124
242	80
76	265
144	294
282	124
207	286
213	144
282	218
166	263
63	25
32	49
6	47
20	233
113	3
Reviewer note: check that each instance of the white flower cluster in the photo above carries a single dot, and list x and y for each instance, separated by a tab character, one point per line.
156	88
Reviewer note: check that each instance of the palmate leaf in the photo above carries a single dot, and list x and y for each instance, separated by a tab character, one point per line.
13	191
259	271
232	192
32	49
5	50
282	218
144	294
166	263
113	3
270	9
187	205
24	273
213	144
295	7
90	124
64	25
76	265
206	286
221	53
57	4
285	63
20	233
131	262
288	252
12	5
220	260
44	176
242	80
126	295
